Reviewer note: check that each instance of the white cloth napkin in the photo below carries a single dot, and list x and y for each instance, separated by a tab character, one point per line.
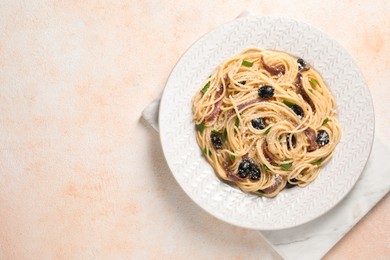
317	237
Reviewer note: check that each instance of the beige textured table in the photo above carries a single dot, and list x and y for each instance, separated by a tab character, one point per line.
81	176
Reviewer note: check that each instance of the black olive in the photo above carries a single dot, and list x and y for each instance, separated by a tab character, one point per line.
301	63
254	173
293	141
258	123
242	82
216	140
322	138
297	110
290	185
266	91
244	168
248	168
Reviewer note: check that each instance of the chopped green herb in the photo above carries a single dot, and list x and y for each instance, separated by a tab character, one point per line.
232	157
288	103
205	88
204	150
247	63
286	166
314	81
310	90
265	167
260	193
216	132
200	127
237	122
222	134
268	129
325	121
318	162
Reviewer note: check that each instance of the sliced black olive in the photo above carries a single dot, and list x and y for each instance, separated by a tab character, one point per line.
216	140
301	63
266	91
258	123
293	141
244	168
298	110
254	173
291	185
248	168
322	138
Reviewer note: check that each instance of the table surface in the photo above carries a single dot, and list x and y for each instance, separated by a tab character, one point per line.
83	176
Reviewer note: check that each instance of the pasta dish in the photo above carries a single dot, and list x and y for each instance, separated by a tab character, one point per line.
265	121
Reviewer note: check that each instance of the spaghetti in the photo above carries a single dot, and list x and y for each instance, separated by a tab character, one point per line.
266	121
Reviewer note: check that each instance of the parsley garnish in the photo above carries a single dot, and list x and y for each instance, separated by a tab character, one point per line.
260	193
288	103
204	150
314	81
216	132
247	63
318	162
286	166
268	129
200	127
205	88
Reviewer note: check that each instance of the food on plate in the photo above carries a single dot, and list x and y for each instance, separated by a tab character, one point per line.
265	121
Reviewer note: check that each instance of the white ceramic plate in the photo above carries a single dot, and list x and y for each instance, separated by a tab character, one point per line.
294	206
